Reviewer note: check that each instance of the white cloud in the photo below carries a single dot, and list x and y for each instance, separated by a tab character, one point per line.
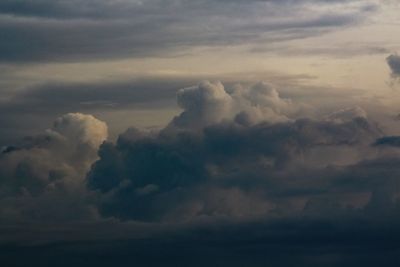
210	103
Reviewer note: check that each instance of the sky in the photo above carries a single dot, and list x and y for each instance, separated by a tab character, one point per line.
199	132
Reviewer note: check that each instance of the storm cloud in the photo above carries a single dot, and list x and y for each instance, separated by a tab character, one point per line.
199	133
226	164
241	163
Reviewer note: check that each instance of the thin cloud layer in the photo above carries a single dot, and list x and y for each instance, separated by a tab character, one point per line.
90	30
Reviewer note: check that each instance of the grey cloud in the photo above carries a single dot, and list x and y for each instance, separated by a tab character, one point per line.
34	107
71	31
42	178
242	181
394	63
244	172
223	167
104	9
245	148
347	114
89	96
388	141
236	191
343	50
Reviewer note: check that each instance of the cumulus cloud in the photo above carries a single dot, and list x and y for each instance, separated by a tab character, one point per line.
240	152
233	153
148	176
241	163
210	103
43	177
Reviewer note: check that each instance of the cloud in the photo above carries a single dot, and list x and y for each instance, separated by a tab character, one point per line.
217	168
347	114
388	141
209	103
76	30
43	177
394	63
213	161
240	152
82	129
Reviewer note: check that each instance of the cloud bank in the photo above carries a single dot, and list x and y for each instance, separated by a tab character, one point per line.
242	153
241	162
232	154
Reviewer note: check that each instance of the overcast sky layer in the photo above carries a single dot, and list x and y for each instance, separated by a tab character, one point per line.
254	133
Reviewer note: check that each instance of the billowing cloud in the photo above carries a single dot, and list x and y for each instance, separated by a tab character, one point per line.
209	103
45	174
241	162
217	149
241	152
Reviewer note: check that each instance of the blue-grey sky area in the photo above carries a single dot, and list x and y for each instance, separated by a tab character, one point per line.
199	132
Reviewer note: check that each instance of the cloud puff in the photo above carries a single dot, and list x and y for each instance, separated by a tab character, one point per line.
394	63
45	173
80	130
210	103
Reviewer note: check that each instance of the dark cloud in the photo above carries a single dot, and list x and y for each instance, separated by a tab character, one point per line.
238	188
90	30
388	141
104	9
394	63
212	160
189	172
230	149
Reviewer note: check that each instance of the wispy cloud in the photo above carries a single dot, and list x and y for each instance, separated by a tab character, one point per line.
90	30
